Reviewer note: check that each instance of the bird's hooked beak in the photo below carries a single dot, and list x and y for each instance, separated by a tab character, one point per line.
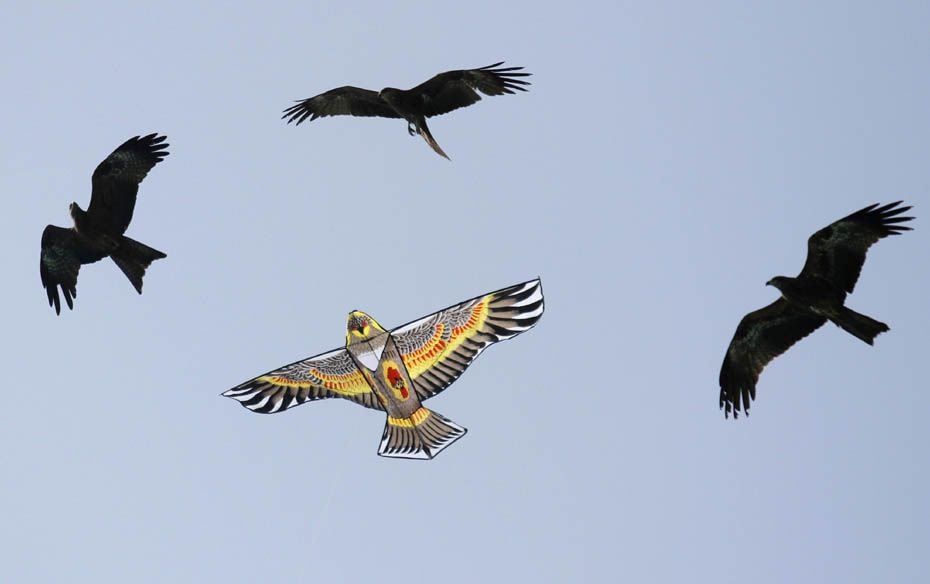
770	282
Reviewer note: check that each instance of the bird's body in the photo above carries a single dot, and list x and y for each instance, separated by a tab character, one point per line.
814	295
818	294
441	94
98	231
396	371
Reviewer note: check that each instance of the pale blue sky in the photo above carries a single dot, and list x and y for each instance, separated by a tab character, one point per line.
667	161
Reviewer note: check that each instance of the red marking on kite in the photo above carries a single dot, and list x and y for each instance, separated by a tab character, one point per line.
396	380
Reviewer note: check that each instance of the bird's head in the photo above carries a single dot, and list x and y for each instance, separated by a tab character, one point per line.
387	94
777	282
361	327
77	214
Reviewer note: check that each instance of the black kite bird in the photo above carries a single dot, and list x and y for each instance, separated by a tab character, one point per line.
98	232
396	371
835	255
440	95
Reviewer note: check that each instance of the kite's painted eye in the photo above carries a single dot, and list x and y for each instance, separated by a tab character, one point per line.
364	323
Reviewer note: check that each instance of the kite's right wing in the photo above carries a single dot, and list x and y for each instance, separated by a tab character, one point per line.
436	349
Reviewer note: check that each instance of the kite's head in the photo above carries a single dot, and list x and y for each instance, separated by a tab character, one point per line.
361	327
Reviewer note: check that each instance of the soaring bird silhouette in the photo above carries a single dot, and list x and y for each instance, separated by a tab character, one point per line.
395	371
440	95
98	232
835	255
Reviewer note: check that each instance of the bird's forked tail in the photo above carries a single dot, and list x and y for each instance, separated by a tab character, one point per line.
423	130
859	325
423	435
133	258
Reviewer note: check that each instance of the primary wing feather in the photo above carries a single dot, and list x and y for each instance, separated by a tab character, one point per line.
761	336
59	266
116	182
331	374
436	349
837	252
63	252
342	101
455	89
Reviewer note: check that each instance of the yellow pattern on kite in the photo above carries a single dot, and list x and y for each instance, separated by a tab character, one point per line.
436	348
415	419
350	385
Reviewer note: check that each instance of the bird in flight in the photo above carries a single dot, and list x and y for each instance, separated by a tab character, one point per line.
395	371
98	231
440	95
835	255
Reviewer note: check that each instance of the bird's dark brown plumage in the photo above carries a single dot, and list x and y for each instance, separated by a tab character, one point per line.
441	94
98	231
835	257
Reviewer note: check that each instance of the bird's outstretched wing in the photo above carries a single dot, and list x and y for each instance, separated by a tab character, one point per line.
836	252
116	182
454	89
761	336
59	265
60	261
331	374
342	101
436	349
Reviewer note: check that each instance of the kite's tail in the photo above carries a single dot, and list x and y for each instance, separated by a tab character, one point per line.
860	325
423	435
133	258
423	130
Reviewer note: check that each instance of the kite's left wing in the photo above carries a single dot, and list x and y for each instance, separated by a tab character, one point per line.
331	374
437	348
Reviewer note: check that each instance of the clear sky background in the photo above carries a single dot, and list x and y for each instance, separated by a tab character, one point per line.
667	161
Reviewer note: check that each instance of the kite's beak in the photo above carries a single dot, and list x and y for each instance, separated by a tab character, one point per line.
769	283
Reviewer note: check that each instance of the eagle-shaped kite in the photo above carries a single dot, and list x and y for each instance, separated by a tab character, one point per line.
98	232
395	371
835	255
440	95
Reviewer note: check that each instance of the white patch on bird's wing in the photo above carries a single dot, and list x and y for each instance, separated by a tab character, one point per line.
370	359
